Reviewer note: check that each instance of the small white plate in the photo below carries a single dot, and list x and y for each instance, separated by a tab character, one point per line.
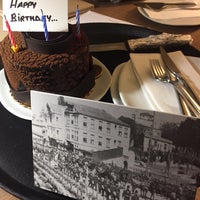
190	21
9	102
127	89
102	84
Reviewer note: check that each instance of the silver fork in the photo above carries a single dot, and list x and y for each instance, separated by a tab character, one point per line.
161	73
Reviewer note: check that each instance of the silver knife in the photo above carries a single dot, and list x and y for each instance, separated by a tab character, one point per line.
152	41
109	47
174	69
160	5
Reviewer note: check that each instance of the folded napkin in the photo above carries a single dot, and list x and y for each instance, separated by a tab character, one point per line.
91	17
162	96
176	15
189	72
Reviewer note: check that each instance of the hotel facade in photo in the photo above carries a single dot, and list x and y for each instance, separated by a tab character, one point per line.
96	132
87	128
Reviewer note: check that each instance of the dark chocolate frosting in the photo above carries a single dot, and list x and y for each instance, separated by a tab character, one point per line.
61	65
79	91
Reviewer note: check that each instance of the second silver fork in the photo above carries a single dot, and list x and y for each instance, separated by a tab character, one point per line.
161	73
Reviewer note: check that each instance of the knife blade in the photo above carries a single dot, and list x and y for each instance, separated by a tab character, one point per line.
175	70
109	47
150	42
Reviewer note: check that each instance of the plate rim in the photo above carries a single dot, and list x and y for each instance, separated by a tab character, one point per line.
115	83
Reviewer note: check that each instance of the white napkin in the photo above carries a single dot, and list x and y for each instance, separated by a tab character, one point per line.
162	96
176	14
91	17
189	72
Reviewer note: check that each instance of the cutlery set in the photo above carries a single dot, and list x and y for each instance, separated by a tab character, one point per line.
157	6
177	73
171	74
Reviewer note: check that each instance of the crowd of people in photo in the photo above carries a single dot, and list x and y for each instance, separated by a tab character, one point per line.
73	173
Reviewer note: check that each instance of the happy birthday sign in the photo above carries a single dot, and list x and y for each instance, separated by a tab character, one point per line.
24	15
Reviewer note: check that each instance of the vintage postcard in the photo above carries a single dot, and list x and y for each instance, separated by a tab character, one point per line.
88	149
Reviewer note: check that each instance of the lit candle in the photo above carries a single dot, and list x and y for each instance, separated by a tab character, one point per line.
46	34
78	22
14	46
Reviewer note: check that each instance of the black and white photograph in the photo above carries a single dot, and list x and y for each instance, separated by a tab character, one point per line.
92	150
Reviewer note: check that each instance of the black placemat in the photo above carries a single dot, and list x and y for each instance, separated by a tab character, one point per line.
16	174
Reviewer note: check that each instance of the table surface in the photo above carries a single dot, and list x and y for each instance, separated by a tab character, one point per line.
128	12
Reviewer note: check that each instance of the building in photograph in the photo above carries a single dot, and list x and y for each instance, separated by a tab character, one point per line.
86	128
157	142
151	135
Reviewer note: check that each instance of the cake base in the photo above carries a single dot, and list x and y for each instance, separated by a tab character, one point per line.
80	90
102	85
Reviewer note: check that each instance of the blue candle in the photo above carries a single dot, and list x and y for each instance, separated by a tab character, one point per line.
46	34
78	22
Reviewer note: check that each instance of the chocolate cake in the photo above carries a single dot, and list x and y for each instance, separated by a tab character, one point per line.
61	65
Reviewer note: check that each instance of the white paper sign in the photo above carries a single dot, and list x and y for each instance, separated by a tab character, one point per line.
24	15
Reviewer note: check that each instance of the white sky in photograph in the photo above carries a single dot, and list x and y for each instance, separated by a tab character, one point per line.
40	99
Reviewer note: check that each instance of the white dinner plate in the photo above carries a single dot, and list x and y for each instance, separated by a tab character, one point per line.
102	84
130	91
190	21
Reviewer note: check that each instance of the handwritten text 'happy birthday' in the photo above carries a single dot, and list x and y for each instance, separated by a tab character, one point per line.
17	17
